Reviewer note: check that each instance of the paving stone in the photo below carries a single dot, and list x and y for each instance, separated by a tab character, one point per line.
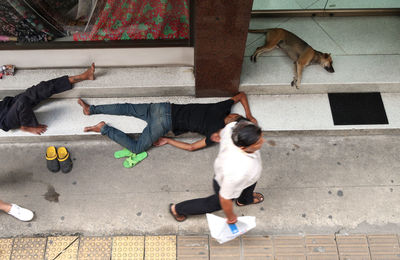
353	247
257	247
62	248
384	247
289	247
95	248
321	248
192	247
127	247
28	248
160	247
5	248
227	251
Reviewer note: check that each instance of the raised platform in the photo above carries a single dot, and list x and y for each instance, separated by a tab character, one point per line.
110	82
275	113
366	56
361	73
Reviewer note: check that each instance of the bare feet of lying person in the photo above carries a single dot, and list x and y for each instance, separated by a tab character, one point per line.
94	128
85	106
38	130
87	75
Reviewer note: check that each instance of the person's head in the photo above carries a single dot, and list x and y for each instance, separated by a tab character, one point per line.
232	118
247	136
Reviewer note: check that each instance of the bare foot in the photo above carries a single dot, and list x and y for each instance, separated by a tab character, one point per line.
173	212
85	106
38	130
89	74
94	128
257	198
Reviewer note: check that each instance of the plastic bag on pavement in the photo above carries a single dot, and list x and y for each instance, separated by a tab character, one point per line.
224	232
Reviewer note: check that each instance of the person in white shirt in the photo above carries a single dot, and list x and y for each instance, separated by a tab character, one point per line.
237	169
16	211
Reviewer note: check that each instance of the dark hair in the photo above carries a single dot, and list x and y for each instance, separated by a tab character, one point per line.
245	133
240	118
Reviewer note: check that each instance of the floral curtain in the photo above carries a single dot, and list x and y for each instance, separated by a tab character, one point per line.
139	19
93	20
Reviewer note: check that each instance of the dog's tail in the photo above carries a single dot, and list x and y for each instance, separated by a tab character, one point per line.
258	30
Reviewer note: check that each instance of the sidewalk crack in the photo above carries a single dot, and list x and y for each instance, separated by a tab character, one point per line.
66	248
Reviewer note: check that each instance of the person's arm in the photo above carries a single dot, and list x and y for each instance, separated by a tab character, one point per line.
242	98
182	145
227	207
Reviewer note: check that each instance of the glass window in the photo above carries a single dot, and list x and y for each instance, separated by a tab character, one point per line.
32	21
324	4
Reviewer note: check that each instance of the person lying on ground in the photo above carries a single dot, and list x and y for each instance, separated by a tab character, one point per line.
237	169
16	211
17	112
205	119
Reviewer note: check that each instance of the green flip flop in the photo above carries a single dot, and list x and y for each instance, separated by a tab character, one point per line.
123	153
134	159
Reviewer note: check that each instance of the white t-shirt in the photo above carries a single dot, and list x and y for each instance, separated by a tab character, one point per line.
235	170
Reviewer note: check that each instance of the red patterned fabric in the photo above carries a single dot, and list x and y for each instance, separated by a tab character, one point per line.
140	19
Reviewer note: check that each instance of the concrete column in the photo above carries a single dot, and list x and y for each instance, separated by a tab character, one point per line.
220	40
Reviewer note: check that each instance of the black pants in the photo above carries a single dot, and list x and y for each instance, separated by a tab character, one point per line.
211	203
21	111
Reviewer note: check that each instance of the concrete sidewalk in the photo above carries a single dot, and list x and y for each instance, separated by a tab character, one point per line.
311	184
314	247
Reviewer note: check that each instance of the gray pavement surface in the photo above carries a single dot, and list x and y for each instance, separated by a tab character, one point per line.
312	185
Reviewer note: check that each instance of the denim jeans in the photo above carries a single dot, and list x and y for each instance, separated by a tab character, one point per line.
157	117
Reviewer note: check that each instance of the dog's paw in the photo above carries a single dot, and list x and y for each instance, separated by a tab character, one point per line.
294	84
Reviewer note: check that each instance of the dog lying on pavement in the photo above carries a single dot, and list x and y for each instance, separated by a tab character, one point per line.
298	50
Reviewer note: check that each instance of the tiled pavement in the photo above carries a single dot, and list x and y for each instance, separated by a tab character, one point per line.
313	247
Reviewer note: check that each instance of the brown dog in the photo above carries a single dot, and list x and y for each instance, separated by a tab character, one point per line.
298	50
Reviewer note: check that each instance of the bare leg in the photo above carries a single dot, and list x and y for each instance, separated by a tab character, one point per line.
38	130
95	128
85	106
87	75
4	206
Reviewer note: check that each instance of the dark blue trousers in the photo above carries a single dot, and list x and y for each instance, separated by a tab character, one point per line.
20	112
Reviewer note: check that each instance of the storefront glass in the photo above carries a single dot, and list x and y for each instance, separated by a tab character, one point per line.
324	4
33	21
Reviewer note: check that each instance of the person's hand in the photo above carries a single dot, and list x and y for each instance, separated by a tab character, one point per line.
232	219
160	142
253	120
215	137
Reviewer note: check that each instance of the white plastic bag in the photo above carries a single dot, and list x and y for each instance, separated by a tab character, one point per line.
224	232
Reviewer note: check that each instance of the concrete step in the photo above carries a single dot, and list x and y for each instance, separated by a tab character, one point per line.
272	75
275	114
365	52
110	82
